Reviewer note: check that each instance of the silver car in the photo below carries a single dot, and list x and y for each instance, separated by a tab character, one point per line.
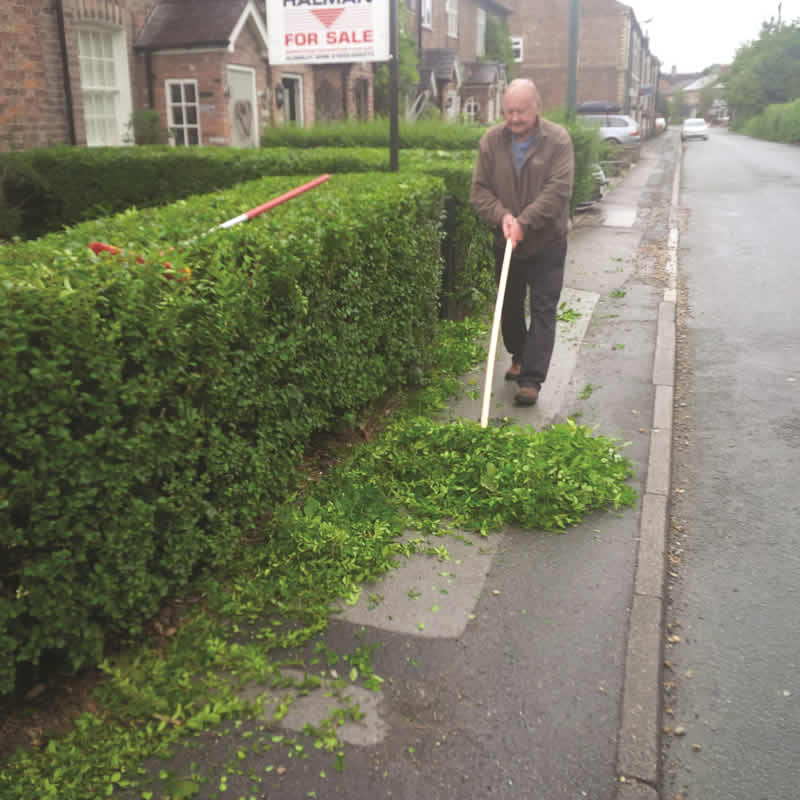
614	128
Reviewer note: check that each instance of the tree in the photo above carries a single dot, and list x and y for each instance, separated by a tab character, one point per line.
407	75
498	44
678	109
765	71
708	94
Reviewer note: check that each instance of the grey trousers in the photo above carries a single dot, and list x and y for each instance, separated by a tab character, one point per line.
531	346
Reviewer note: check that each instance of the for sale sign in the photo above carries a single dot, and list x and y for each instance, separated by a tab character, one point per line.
327	31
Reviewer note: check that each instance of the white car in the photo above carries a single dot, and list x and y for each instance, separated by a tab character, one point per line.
694	128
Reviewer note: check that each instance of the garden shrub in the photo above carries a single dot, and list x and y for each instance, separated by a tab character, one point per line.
147	423
430	134
779	123
586	146
145	127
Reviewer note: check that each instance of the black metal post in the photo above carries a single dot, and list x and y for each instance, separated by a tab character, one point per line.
626	103
394	133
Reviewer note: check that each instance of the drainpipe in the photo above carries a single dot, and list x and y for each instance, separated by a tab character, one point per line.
626	106
269	92
62	38
151	78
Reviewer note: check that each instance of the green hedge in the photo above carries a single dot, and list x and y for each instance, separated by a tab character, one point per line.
778	123
146	423
423	134
51	188
45	190
466	248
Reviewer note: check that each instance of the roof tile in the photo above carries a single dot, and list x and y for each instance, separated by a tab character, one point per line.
190	23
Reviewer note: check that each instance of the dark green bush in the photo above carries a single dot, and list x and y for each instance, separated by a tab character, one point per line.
779	123
586	145
27	199
146	423
146	128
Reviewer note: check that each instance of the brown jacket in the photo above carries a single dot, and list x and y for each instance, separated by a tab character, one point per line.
538	198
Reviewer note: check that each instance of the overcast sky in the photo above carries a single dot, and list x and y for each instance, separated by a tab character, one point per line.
694	34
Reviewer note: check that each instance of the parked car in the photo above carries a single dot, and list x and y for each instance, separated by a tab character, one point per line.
614	128
598	107
694	128
661	124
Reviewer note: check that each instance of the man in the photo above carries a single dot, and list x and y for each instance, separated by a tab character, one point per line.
521	187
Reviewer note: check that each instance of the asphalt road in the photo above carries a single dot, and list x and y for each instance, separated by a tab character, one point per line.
733	652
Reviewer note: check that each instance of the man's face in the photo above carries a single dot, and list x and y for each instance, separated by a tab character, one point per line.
519	109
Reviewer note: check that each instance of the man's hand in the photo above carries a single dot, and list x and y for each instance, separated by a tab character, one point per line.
512	230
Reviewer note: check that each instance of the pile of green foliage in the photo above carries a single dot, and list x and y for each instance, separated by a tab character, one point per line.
147	421
482	479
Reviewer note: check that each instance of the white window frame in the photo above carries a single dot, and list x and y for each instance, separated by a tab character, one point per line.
112	91
480	33
427	14
472	109
451	9
517	47
184	104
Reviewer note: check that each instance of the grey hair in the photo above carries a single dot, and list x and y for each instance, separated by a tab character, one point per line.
527	85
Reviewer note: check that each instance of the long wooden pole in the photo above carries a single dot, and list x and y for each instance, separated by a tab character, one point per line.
498	314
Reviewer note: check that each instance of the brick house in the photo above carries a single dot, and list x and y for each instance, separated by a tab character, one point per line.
73	71
614	59
451	43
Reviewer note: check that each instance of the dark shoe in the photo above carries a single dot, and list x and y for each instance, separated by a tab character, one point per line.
526	396
513	372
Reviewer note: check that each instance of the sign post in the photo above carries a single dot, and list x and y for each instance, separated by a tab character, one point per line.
394	89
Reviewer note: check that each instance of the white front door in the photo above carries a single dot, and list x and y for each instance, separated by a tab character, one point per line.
242	106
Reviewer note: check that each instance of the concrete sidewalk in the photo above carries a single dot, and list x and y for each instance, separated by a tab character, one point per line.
528	664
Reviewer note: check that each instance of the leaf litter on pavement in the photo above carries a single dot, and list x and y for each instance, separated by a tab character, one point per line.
346	530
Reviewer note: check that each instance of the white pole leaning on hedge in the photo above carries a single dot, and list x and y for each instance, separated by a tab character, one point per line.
498	313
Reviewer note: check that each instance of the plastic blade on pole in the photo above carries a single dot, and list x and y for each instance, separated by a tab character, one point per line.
498	313
99	247
276	201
